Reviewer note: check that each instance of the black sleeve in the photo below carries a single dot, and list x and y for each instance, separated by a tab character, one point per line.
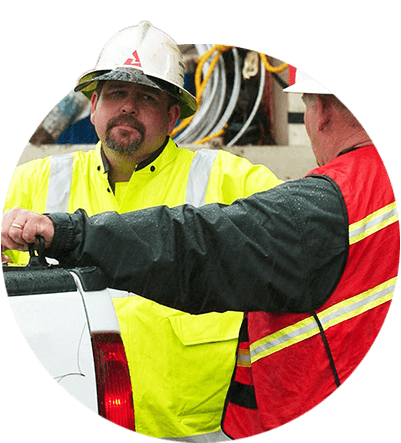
281	250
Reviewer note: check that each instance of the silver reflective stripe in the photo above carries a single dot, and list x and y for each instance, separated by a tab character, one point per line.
340	312
58	192
198	177
372	223
203	438
61	175
198	180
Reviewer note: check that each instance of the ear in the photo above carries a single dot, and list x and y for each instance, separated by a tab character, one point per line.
94	100
323	112
174	114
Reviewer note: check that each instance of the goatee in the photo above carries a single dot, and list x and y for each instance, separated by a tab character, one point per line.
118	144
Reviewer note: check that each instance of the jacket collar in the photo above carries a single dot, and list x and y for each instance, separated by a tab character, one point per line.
352	149
156	158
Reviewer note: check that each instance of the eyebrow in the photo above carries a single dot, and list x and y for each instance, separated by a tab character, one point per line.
116	85
149	89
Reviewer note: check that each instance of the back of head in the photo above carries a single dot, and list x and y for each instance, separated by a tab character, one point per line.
347	115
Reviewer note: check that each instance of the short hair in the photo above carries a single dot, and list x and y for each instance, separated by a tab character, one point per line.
346	113
333	100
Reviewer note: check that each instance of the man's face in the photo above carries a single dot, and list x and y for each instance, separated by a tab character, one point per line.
132	118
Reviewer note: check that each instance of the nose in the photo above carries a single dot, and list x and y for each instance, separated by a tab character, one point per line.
130	106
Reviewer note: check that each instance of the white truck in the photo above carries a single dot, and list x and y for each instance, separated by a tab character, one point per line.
68	319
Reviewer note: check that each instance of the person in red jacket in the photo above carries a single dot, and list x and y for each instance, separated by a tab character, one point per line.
312	263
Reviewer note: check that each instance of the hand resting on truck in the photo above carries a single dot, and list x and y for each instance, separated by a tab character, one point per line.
20	227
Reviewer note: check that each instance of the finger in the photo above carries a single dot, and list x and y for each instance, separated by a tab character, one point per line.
20	227
37	224
6	213
9	244
10	240
10	215
5	259
9	218
16	231
31	230
12	229
25	227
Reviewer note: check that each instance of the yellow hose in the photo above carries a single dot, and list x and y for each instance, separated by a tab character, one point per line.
201	85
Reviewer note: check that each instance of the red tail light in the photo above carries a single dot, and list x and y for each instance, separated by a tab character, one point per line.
113	380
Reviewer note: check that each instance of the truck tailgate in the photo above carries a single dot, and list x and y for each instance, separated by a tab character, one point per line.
68	319
56	328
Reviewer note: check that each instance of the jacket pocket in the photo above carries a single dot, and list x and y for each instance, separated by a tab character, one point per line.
201	360
206	328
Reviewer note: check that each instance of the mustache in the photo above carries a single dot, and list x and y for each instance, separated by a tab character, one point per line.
128	119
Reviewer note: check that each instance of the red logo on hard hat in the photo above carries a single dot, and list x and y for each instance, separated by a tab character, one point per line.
133	61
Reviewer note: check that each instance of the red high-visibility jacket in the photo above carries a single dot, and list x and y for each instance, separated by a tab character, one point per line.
288	363
313	262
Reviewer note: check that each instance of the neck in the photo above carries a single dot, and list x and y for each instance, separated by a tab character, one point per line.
356	139
338	141
121	166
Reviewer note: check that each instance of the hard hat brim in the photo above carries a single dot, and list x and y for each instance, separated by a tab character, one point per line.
305	84
307	88
88	83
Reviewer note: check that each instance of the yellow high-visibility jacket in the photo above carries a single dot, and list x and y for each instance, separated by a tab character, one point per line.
180	364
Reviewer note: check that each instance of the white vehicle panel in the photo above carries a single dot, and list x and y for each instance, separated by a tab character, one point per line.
56	328
99	308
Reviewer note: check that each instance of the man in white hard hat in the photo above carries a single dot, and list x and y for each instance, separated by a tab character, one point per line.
321	108
180	365
313	264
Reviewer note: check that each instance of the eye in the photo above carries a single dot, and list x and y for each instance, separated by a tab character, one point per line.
148	97
119	93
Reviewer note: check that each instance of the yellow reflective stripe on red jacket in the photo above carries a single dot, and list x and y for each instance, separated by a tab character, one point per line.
373	223
329	317
244	358
341	311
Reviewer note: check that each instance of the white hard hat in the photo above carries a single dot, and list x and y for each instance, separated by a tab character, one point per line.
306	84
142	54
